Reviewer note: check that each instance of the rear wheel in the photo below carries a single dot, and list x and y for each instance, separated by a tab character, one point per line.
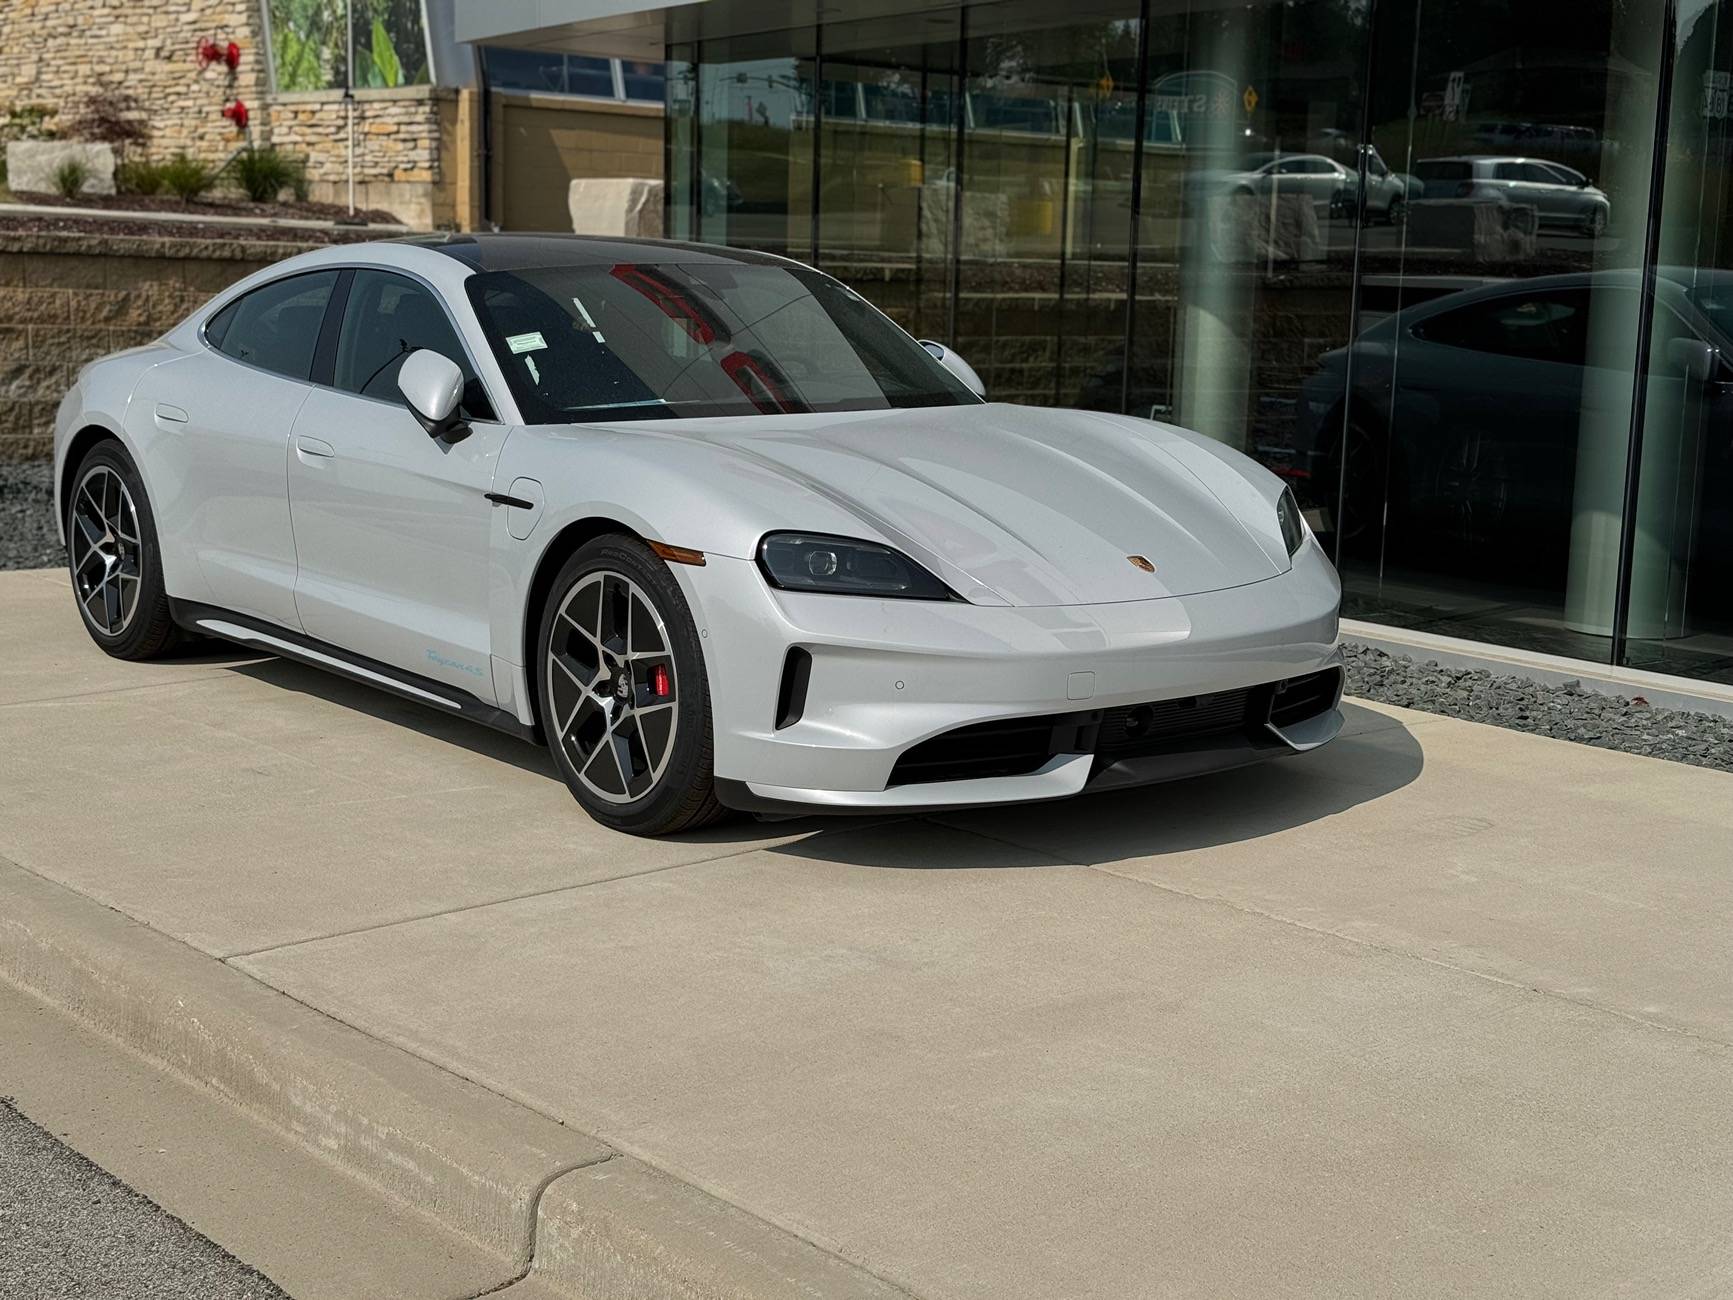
111	550
624	698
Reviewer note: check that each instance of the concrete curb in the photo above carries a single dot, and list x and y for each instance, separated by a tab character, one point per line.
500	1175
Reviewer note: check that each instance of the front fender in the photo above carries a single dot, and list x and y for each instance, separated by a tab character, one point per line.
680	491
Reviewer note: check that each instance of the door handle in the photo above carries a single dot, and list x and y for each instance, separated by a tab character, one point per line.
167	416
305	447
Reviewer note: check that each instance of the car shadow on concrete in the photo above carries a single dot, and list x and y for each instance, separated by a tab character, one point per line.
1376	756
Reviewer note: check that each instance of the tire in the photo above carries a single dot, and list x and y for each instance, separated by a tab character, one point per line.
112	555
1595	224
1397	213
1356	491
625	703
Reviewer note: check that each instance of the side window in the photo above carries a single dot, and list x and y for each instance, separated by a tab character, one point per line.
276	326
386	318
1553	327
1541	174
1508	172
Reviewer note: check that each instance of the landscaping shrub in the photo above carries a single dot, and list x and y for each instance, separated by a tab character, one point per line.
264	172
70	176
110	117
186	178
138	177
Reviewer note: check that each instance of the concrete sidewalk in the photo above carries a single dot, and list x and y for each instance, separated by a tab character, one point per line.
1439	1010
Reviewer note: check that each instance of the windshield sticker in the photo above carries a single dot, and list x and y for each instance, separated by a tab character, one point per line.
588	319
535	374
531	342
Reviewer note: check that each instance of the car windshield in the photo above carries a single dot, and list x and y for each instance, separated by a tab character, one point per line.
667	340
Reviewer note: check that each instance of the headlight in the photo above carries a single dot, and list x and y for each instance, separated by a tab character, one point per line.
1293	525
843	566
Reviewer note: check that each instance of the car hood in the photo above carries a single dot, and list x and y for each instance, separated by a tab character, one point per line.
1023	505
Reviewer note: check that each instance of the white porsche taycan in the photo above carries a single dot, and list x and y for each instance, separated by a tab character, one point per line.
704	521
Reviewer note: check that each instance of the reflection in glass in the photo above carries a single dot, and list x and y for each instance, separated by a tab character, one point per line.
1482	449
886	212
1046	203
1681	598
754	129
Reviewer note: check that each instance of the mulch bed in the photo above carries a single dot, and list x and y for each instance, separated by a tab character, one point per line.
114	226
216	207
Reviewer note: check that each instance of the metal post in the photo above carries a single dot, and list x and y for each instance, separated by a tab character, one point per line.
1645	329
1136	232
349	96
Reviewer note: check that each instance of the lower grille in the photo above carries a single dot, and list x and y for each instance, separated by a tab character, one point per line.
1019	746
1008	747
1138	729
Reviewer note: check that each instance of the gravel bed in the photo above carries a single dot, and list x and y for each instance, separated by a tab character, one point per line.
27	535
70	1231
1564	712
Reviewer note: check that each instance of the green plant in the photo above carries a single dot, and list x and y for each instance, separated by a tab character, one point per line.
138	176
186	178
265	171
387	67
70	176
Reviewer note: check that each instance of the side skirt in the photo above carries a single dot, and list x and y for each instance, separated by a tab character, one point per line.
256	634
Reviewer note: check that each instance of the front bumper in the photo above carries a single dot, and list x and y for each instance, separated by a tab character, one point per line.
886	676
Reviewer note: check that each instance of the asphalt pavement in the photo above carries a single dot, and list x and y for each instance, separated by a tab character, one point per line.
69	1231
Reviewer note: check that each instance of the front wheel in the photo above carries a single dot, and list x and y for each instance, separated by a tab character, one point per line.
624	697
111	550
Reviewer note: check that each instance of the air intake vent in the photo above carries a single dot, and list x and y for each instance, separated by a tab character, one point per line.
791	695
1300	698
1009	747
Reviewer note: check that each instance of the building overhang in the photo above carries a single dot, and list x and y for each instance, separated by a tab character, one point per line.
625	29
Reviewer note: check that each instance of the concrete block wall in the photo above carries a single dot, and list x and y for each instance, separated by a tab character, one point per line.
67	299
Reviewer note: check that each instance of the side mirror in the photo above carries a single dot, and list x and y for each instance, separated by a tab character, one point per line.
956	365
432	387
1693	358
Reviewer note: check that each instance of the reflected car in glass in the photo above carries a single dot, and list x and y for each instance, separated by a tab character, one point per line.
1562	197
704	522
1467	414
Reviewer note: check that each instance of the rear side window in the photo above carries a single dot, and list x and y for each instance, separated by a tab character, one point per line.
386	318
276	326
1545	327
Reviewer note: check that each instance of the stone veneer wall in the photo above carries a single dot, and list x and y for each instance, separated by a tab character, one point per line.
57	52
406	140
67	299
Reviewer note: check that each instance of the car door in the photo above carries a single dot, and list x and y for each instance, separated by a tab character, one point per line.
220	422
1491	401
392	527
1548	191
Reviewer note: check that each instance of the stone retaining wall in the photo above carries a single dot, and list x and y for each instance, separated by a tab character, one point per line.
57	52
67	299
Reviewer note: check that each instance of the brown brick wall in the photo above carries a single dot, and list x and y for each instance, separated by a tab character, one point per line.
68	299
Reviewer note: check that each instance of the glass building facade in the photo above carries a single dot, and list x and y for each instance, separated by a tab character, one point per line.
1454	268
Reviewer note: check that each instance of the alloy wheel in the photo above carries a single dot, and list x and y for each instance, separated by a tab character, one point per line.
105	551
612	686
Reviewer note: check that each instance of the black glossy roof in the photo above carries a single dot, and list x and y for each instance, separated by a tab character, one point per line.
509	252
